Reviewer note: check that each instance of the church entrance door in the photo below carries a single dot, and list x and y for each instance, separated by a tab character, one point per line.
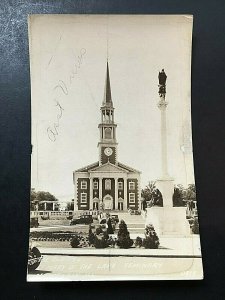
108	202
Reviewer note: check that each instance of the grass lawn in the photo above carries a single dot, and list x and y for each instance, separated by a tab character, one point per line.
50	222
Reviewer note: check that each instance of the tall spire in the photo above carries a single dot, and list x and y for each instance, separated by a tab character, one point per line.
107	101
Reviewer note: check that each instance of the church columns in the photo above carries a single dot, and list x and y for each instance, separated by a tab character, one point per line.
125	194
75	195
139	194
91	193
113	177
116	193
100	189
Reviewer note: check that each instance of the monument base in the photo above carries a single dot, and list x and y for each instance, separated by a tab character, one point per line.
168	220
166	187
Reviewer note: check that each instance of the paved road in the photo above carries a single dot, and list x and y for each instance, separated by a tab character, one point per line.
67	268
59	227
135	223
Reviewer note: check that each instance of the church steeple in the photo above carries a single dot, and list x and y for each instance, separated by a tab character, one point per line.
107	101
107	144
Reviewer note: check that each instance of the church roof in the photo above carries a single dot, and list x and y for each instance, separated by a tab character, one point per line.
107	167
89	167
128	168
107	101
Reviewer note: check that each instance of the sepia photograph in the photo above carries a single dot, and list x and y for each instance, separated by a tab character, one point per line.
113	193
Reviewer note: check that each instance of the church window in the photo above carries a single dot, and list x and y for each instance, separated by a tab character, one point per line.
131	185
108	184
84	185
132	197
120	185
83	198
108	133
95	185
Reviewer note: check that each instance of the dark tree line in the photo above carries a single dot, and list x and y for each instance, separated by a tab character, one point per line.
37	200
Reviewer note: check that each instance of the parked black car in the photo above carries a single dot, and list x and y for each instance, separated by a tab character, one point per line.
82	220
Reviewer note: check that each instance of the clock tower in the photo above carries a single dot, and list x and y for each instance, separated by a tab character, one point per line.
107	184
107	128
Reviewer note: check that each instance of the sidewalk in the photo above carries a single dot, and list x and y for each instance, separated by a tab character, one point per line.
187	247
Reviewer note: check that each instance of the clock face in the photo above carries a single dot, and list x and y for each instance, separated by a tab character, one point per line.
108	151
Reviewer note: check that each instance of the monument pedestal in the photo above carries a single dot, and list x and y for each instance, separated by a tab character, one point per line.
166	186
168	220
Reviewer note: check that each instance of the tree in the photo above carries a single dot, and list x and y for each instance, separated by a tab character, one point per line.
178	196
45	196
123	237
190	193
158	199
38	198
148	192
152	195
70	205
33	201
109	229
33	195
151	240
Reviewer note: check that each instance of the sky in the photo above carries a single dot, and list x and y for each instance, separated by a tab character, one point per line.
68	55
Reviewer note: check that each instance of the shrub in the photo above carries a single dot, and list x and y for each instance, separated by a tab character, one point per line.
110	228
151	240
100	241
91	236
84	242
138	242
75	241
98	230
123	237
195	226
112	242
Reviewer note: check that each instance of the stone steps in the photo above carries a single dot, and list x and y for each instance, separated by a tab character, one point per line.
135	223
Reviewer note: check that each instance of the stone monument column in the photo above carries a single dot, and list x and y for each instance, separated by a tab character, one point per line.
167	220
165	184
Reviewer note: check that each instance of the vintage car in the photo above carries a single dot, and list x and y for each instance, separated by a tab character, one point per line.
34	222
34	258
134	212
86	219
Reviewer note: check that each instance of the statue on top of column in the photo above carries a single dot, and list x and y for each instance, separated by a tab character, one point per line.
162	82
162	77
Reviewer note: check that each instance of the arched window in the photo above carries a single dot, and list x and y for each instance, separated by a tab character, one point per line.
108	133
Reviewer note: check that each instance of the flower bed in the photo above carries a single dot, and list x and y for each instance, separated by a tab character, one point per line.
53	235
98	238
